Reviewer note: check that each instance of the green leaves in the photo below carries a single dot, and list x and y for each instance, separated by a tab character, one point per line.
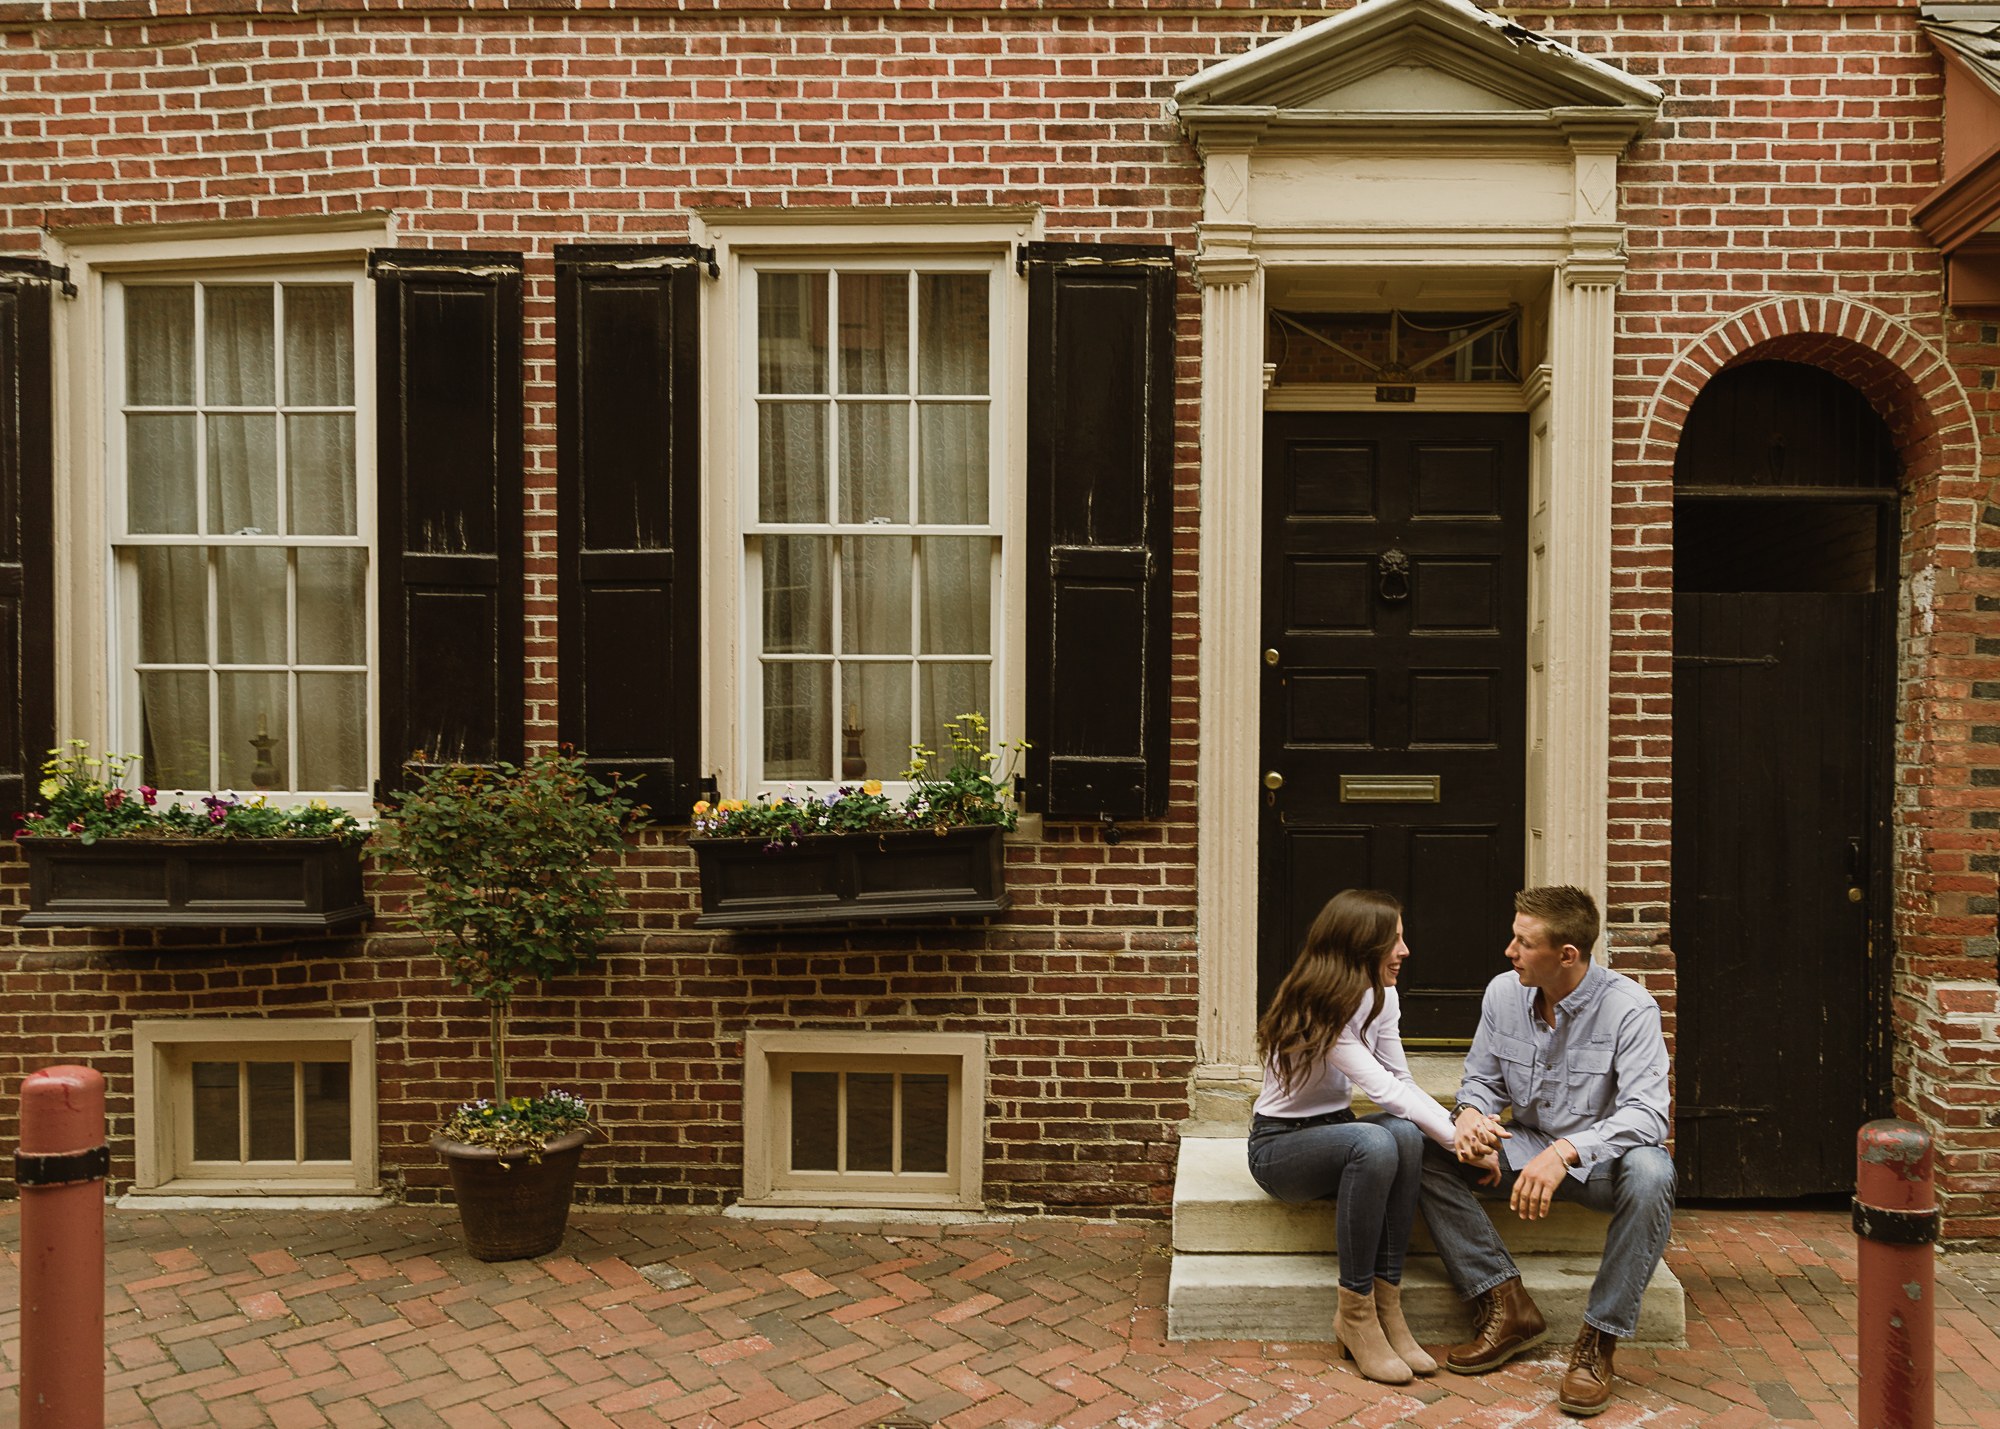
511	884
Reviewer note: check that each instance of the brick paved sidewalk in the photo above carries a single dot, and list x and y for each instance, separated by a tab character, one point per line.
252	1318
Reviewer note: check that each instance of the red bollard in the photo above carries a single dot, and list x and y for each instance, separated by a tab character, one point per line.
1896	1216
60	1169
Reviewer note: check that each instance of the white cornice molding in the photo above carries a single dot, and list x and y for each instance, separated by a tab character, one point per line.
1230	128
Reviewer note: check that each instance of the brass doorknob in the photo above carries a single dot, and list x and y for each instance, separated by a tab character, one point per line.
1853	895
1274	780
1270	657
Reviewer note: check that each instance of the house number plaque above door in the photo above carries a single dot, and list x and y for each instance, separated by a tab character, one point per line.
1391	788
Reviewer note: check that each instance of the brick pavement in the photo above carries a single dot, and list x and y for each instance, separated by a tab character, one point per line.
354	1320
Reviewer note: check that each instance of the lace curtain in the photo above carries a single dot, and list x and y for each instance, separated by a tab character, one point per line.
209	458
842	453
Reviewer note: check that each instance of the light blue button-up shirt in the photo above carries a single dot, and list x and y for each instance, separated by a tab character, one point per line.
1598	1077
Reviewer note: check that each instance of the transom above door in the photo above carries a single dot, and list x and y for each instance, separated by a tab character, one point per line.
1393	707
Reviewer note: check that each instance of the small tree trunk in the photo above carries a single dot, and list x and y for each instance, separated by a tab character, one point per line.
497	1015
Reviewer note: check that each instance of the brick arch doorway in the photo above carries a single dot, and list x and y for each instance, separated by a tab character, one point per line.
1785	554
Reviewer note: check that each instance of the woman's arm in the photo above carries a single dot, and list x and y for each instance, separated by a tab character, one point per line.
1393	1091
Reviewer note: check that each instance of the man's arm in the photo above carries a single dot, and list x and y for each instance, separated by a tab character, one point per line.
1639	1118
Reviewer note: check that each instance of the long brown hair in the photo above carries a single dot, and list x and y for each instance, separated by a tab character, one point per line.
1341	960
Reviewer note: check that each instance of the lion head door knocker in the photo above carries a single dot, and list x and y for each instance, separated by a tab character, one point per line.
1392	576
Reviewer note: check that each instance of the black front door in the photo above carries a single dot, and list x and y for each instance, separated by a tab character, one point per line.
1393	711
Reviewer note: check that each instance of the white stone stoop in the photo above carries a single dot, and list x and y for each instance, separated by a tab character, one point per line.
1248	1267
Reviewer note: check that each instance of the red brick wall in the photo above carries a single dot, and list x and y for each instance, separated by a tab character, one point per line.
1792	144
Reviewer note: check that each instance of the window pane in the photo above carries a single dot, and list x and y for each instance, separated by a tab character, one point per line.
254	714
273	1119
951	333
243	475
159	347
319	346
798	604
242	359
333	733
333	605
958	585
875	595
327	1123
791	461
951	464
875	741
815	1121
791	332
250	606
173	604
926	1121
875	462
874	332
871	1099
159	474
949	692
319	474
173	735
215	1127
798	741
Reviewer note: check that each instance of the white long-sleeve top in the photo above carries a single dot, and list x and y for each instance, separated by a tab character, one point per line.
1369	1061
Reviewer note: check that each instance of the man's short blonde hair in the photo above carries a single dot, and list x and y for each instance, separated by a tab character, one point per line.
1569	915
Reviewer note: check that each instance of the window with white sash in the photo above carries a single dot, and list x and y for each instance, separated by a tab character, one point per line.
237	451
874	510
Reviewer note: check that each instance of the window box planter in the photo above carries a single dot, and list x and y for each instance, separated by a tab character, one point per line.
193	883
839	878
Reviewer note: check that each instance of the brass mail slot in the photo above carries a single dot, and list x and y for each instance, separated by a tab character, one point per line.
1391	788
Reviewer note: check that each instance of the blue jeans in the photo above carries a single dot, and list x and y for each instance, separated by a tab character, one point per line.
1372	1167
1637	1189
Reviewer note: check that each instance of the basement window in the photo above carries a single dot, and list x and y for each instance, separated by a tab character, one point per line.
861	1119
254	1107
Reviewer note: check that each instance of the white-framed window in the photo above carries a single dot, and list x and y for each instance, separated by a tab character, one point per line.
864	1119
238	454
875	451
255	1106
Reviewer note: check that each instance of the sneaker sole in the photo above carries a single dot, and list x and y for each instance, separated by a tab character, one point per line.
1485	1366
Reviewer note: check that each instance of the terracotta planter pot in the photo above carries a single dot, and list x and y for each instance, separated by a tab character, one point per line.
511	1208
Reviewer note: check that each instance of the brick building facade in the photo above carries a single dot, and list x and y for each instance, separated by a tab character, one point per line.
1763	212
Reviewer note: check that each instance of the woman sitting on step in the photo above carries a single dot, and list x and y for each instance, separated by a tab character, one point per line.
1332	1029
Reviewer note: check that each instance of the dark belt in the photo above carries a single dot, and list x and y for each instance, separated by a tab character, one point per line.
1278	1124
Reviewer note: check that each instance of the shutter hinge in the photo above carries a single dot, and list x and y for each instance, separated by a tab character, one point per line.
61	1169
38	268
708	256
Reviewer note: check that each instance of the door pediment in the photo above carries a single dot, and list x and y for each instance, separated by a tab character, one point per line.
1402	69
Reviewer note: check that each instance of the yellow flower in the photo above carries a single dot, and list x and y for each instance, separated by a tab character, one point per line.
871	786
700	807
50	788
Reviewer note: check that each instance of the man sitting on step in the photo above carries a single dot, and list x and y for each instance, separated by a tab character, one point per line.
1576	1050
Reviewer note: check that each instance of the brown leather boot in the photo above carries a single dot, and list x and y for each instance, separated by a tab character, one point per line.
1586	1389
1504	1322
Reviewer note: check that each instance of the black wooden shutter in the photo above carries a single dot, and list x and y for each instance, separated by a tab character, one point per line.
27	534
1100	516
448	358
628	514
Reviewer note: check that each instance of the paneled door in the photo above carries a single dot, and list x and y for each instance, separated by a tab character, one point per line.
1394	713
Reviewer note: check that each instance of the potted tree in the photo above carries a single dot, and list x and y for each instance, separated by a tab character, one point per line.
102	853
512	887
854	852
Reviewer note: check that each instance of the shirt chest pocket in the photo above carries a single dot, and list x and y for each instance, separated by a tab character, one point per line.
1517	1060
1591	1086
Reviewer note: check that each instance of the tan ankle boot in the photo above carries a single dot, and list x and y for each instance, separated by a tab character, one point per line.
1389	1309
1361	1340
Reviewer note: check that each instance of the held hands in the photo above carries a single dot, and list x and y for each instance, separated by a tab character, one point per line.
1476	1142
1536	1186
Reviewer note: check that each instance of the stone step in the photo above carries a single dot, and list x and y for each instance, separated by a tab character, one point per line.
1293	1298
1219	1209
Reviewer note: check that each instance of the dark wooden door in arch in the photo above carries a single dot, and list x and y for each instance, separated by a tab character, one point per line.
1784	665
1394	696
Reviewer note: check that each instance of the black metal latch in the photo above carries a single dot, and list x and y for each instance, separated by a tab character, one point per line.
1896	1227
33	1168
